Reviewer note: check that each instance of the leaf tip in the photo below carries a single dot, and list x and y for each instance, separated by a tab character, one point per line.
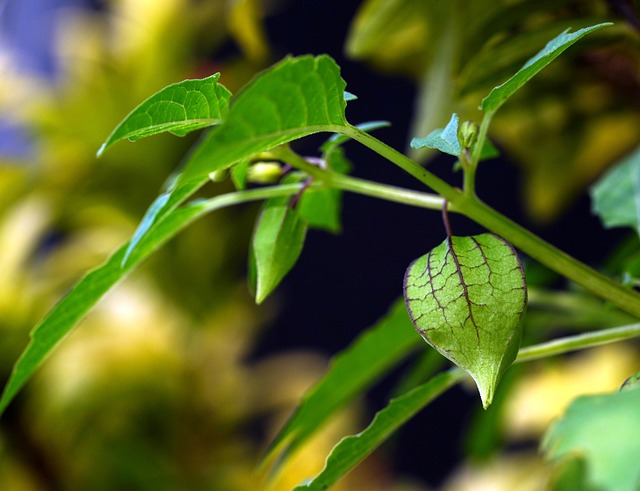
101	150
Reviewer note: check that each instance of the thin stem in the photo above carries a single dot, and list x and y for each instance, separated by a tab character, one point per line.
362	186
470	163
430	180
555	259
445	219
579	341
529	243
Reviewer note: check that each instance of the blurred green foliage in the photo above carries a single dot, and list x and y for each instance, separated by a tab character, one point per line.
153	392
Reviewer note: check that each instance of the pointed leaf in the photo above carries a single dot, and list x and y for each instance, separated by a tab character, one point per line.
616	196
603	430
445	140
277	243
294	98
466	298
376	351
178	108
353	449
550	52
64	316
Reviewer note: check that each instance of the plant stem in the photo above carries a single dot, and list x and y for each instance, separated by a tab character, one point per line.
540	250
557	260
432	181
580	341
362	186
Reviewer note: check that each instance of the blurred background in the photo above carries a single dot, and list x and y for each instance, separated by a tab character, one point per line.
177	380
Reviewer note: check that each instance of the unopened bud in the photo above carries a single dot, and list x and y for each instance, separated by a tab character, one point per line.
264	173
468	134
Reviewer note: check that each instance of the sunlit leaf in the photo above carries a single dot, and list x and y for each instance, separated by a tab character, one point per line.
466	298
294	98
353	449
603	430
351	373
616	196
64	316
178	108
550	52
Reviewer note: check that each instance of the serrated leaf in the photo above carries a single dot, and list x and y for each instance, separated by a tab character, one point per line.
277	243
353	449
294	98
466	298
376	351
533	66
616	196
178	108
603	430
64	316
445	140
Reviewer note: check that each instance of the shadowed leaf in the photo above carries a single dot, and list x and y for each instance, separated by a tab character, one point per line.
616	196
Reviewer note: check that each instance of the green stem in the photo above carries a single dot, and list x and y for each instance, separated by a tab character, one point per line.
555	259
429	179
580	341
540	250
362	186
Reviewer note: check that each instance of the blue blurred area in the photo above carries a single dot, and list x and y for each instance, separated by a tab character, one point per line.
27	43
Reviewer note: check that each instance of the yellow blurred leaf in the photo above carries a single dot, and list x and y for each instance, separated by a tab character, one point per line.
543	395
244	19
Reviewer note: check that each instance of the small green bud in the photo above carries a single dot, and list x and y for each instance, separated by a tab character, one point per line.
468	134
264	173
219	175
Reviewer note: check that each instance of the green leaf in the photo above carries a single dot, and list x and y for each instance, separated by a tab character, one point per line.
322	207
277	243
178	108
632	382
445	140
353	449
352	372
64	316
603	430
616	196
551	51
466	298
294	98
